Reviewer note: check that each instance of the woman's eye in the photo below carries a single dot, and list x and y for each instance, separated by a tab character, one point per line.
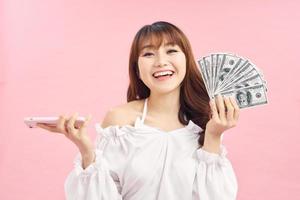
147	54
172	50
151	54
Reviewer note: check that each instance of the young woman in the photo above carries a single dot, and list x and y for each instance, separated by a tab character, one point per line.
165	143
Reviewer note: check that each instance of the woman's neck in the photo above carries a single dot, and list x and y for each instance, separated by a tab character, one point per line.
166	105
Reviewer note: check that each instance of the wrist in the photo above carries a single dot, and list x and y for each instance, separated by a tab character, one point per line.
212	143
213	136
86	152
87	159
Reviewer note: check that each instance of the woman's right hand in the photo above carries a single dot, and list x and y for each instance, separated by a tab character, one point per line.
78	135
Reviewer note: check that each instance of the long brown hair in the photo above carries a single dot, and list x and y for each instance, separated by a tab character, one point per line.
194	100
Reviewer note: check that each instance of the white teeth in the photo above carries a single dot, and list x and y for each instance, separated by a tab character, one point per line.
157	74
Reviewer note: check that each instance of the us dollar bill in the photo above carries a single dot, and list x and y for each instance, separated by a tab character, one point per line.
251	81
230	64
227	73
204	75
248	96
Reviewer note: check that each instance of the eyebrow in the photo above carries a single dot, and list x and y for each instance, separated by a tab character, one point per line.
152	46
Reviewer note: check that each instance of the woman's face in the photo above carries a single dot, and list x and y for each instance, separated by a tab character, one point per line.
166	58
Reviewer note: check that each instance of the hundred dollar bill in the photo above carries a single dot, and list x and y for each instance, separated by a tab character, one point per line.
249	96
219	64
230	63
204	75
208	68
214	70
240	66
245	82
227	73
251	74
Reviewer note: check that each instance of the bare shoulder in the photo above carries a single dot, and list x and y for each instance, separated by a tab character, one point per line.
124	114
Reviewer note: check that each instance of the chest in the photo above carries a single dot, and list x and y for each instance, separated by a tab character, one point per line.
161	160
164	124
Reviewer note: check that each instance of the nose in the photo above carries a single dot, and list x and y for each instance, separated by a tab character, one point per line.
161	60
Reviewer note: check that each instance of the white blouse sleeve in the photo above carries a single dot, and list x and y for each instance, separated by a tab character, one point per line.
97	181
215	177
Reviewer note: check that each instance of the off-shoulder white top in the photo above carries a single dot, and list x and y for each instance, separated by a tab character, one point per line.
142	162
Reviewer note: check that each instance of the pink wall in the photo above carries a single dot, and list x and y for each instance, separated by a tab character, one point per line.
64	56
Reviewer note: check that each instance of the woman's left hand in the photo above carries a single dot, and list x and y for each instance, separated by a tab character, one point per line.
222	120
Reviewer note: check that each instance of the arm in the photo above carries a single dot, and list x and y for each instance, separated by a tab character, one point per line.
215	177
88	156
91	177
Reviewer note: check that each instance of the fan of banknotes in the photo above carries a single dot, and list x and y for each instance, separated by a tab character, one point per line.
231	75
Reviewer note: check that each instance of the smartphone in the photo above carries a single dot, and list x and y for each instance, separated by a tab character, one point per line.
52	121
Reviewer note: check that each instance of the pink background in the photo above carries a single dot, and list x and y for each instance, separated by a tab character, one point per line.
62	56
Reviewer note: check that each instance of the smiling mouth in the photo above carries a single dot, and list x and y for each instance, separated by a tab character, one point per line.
163	75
